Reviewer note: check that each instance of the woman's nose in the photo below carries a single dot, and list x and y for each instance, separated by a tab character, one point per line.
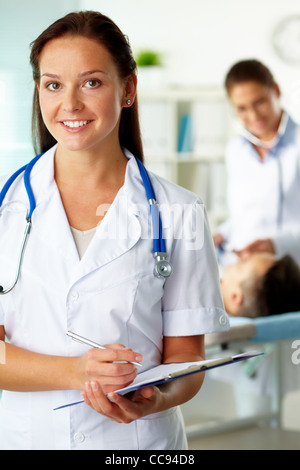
72	102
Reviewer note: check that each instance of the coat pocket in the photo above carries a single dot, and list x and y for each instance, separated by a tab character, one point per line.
14	429
162	431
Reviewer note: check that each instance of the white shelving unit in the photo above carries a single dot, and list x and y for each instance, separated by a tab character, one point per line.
185	132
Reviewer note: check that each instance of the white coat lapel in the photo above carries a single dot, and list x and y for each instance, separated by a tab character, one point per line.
122	225
49	220
119	231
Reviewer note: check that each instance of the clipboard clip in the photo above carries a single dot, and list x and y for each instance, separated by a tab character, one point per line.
201	367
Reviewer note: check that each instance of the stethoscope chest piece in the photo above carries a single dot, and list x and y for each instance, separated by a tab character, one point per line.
162	268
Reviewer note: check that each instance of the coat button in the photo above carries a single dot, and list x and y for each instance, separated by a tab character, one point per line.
74	295
79	437
223	320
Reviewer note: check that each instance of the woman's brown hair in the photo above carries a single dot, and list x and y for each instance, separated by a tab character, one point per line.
93	25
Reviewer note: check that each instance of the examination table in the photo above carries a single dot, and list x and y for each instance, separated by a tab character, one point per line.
275	336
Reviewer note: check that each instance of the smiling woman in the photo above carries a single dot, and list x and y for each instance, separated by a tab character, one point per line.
86	122
89	26
81	99
82	96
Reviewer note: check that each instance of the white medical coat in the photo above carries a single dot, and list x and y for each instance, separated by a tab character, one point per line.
263	198
109	296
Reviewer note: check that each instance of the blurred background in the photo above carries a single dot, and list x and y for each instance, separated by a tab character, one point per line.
194	45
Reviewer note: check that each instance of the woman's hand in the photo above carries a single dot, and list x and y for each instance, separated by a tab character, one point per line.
135	405
122	409
109	368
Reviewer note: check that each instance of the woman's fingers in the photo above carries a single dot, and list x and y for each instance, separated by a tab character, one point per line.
122	409
115	356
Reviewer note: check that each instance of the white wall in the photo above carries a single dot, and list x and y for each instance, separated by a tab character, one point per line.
201	39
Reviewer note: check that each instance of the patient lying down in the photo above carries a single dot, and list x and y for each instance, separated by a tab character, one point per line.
261	285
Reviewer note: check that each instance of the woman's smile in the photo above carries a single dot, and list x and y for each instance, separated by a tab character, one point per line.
81	94
75	126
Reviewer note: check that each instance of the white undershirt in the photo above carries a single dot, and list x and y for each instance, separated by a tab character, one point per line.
82	239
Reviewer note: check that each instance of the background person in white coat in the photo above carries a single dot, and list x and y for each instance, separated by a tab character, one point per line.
263	167
96	279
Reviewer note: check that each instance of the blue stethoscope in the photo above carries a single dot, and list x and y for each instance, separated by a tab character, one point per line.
162	268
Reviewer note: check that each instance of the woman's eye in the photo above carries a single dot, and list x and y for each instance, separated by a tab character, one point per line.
92	83
53	86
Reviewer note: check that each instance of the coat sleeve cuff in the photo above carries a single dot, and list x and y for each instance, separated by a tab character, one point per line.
195	321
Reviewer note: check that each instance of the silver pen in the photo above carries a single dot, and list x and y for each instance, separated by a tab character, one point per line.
83	340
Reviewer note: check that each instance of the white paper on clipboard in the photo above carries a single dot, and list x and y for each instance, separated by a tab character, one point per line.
168	372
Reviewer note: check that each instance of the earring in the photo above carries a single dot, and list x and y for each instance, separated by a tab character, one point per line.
128	102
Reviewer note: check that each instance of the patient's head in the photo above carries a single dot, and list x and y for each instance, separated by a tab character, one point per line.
260	285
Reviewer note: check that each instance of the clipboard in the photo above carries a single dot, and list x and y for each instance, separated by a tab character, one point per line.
168	372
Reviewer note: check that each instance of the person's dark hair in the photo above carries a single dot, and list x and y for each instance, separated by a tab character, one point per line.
93	25
278	291
248	70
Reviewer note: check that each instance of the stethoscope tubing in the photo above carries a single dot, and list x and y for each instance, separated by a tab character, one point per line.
20	258
163	267
28	168
159	245
9	182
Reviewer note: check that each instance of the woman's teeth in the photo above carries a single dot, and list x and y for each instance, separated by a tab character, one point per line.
75	123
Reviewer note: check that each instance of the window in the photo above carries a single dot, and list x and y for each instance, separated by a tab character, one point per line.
20	23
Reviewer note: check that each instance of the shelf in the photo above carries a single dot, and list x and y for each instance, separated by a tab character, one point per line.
185	132
180	158
180	94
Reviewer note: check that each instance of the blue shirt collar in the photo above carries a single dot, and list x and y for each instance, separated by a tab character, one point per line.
285	131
